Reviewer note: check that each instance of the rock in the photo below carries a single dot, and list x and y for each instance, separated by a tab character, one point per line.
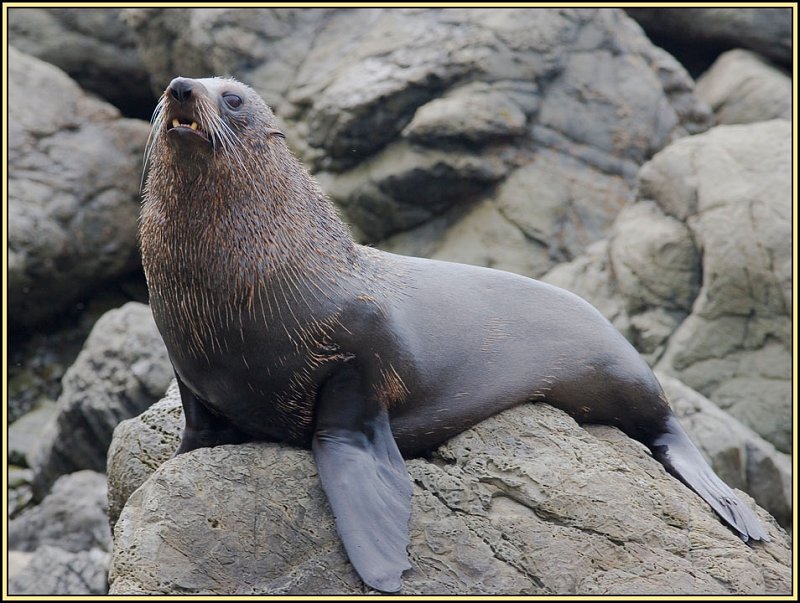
122	369
94	47
73	517
24	433
426	127
698	273
140	445
734	193
54	571
740	87
527	502
17	561
20	493
74	174
696	36
470	114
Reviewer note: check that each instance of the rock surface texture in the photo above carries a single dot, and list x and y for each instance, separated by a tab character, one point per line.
698	272
122	369
527	502
442	132
73	190
741	87
67	539
95	47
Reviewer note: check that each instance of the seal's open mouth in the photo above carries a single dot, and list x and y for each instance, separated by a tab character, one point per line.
186	127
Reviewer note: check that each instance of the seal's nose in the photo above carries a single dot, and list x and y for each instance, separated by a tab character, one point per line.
181	89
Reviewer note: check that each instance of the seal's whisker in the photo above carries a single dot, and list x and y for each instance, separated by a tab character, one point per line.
156	123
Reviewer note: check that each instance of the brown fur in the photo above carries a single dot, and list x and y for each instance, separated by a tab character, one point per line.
241	234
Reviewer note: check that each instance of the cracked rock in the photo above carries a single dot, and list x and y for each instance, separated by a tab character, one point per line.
526	502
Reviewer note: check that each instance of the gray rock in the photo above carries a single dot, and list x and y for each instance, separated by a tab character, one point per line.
20	493
73	517
54	571
73	189
24	433
698	273
95	47
17	561
426	126
140	445
122	369
734	193
474	113
527	502
740	87
767	31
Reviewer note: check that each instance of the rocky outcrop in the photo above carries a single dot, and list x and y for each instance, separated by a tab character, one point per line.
526	502
122	369
68	537
741	87
698	272
435	128
73	190
94	47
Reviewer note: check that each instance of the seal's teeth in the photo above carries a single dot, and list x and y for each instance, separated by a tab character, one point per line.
175	123
194	125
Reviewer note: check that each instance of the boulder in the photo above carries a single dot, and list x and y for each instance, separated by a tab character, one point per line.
437	127
140	445
527	502
54	571
94	47
698	273
741	87
24	433
732	188
73	190
696	36
122	369
73	517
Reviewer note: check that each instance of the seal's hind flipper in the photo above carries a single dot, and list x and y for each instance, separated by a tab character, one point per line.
365	479
679	455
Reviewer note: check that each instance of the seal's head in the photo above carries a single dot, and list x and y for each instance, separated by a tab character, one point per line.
202	120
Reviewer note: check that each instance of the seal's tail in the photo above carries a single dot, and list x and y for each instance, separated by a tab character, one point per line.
679	455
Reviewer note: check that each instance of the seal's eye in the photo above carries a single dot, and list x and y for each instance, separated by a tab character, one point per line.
233	101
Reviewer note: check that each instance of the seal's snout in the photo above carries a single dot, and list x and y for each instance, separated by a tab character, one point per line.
181	89
184	113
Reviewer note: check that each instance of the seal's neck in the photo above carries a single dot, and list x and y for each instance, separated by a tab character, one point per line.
241	223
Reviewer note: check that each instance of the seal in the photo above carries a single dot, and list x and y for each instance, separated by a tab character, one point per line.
280	327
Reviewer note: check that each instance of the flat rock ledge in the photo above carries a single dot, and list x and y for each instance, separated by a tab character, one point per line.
527	502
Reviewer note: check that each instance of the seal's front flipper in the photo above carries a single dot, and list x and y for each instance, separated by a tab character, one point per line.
365	479
678	454
204	428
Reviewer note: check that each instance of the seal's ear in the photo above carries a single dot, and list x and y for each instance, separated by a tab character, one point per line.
365	479
274	132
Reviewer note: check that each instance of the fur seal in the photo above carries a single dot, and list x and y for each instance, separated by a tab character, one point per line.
280	327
